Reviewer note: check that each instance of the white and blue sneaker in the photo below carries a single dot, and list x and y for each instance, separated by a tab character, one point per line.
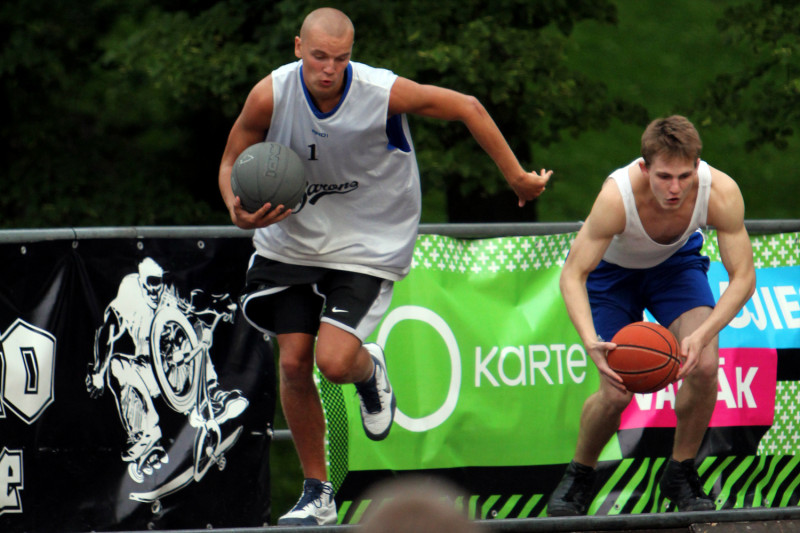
315	507
378	403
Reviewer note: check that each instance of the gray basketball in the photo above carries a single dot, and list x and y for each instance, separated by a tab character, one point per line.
268	172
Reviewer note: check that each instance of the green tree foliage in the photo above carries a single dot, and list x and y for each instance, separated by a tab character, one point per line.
85	144
665	55
763	94
512	58
116	113
119	110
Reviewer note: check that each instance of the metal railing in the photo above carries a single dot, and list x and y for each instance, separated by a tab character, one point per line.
464	231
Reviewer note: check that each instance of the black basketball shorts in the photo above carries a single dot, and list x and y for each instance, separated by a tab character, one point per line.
284	298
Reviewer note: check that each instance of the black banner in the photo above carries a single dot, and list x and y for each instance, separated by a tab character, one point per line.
134	394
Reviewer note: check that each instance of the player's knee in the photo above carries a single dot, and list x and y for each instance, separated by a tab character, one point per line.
296	357
294	367
337	362
335	370
619	403
614	401
705	373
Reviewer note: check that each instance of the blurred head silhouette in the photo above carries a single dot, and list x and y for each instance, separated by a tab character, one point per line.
416	504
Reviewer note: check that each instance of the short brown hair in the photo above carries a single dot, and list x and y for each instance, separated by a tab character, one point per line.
673	136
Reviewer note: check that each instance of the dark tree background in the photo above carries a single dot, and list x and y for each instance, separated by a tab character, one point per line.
116	113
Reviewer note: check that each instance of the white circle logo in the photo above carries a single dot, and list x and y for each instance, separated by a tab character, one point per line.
413	312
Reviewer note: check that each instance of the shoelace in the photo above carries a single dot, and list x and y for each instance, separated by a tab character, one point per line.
579	487
369	393
693	479
312	494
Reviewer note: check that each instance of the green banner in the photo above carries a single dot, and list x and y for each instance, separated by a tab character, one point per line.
476	338
490	378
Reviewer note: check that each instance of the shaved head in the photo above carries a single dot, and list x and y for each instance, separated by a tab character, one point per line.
328	20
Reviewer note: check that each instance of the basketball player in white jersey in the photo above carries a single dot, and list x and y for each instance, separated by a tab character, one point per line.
639	248
323	270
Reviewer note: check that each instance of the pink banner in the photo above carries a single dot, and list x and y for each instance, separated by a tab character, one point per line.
745	396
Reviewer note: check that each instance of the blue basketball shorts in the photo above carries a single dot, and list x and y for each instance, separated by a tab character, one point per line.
284	298
618	296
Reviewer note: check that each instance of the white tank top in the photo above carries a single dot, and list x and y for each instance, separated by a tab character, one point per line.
362	204
633	248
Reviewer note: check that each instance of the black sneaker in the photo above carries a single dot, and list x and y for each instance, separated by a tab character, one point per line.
681	485
574	493
315	507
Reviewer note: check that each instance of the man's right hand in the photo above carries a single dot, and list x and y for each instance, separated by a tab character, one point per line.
262	218
598	351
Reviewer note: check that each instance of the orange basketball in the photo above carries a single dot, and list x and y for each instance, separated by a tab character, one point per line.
646	356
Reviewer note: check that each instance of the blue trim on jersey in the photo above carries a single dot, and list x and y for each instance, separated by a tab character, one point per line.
396	135
348	78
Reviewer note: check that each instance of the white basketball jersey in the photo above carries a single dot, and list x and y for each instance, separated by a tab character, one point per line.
633	248
362	206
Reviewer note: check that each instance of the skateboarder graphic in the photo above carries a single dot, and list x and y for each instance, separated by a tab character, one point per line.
154	343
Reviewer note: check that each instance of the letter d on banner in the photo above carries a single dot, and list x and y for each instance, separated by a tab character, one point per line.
414	312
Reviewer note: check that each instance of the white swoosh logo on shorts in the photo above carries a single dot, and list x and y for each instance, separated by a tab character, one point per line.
337	310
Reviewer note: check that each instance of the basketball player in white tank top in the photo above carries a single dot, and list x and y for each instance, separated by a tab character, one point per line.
324	231
324	47
634	248
641	226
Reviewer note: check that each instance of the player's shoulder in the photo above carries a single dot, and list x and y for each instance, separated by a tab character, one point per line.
609	206
610	194
287	69
277	79
720	177
369	70
723	185
725	202
625	178
374	75
607	216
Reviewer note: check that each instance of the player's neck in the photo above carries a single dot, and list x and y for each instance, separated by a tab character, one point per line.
327	104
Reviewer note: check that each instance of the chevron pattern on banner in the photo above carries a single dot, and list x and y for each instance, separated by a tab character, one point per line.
630	486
